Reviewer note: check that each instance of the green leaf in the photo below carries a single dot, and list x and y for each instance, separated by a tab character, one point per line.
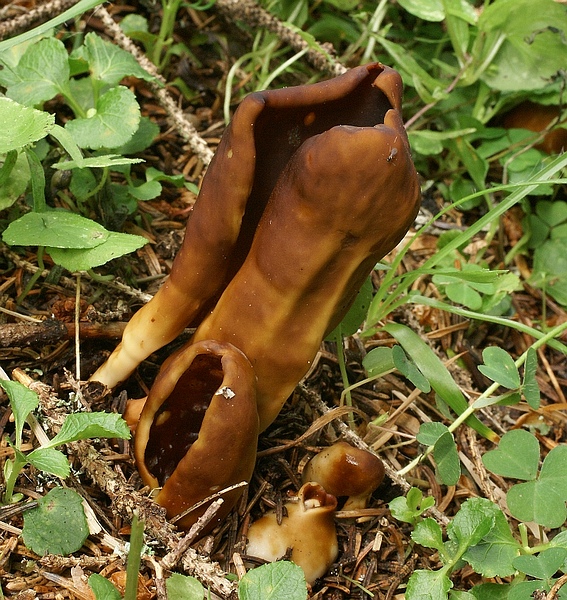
378	361
21	125
146	191
111	64
464	294
41	74
543	500
428	585
356	313
552	213
84	426
430	10
16	183
112	123
517	456
474	520
499	367
50	461
143	138
106	160
182	587
436	373
281	580
408	509
550	269
22	402
408	369
530	386
447	459
428	533
542	566
429	433
55	228
58	525
493	555
102	588
491	591
117	244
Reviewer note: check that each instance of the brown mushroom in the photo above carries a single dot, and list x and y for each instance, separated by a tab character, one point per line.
308	528
198	431
267	131
344	470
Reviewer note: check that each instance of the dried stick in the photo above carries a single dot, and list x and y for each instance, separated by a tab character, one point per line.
256	17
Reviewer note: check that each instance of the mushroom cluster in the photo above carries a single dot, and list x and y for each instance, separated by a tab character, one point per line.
309	188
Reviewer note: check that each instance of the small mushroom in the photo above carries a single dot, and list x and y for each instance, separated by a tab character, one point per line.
308	529
198	430
344	470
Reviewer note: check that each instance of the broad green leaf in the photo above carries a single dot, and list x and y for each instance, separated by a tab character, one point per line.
111	124
58	525
51	461
83	183
530	386
21	125
83	426
533	50
22	402
560	540
146	191
552	213
447	459
436	373
117	244
109	63
182	587
464	294
499	367
55	228
408	369
41	74
378	361
474	520
491	591
493	555
281	580
143	138
407	509
16	183
428	10
517	456
429	433
428	585
550	269
102	588
428	533
526	590
542	566
553	471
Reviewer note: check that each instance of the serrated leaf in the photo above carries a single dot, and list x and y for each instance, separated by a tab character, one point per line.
117	244
102	588
409	370
474	520
530	386
493	555
22	402
542	566
58	525
499	366
55	228
517	456
109	63
21	125
112	123
281	580
428	533
50	461
183	587
428	585
378	361
41	73
447	459
84	426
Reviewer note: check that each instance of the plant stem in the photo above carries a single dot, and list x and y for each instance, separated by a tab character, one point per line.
134	558
344	374
33	279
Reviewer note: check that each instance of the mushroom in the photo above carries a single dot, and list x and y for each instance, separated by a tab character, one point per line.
198	431
297	130
344	470
308	529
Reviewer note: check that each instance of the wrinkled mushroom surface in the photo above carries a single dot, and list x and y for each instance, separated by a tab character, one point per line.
308	529
344	470
267	130
198	430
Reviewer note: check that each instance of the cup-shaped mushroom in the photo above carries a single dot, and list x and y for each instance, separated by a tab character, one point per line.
267	131
345	199
308	528
344	470
198	431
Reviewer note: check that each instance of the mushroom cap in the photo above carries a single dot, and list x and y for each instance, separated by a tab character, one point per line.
308	529
344	470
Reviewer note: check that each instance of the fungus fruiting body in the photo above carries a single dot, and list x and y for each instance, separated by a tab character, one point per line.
308	530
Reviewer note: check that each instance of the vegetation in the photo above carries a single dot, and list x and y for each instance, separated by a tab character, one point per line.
451	364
